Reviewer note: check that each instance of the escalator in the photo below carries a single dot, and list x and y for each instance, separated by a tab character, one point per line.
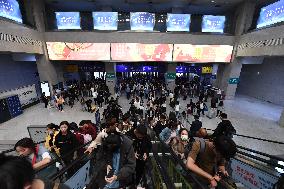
250	169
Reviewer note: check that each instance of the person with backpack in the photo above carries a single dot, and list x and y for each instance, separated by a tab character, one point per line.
207	159
225	127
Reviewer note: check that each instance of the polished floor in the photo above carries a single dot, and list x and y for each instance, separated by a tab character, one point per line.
248	115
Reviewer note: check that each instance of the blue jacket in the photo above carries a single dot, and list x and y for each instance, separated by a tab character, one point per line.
166	134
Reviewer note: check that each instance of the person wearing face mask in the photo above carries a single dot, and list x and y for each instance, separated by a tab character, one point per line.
51	133
18	173
115	162
36	154
179	143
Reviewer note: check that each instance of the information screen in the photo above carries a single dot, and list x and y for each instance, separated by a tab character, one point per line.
212	23
178	22
10	9
271	14
142	21
141	52
78	51
68	20
202	53
105	20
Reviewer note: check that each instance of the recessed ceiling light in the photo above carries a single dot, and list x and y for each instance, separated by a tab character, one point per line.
212	1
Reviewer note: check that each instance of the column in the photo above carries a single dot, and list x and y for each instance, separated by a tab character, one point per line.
46	69
110	68
281	121
228	74
171	76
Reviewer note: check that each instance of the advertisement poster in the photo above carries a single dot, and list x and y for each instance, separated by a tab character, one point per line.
202	53
78	51
141	52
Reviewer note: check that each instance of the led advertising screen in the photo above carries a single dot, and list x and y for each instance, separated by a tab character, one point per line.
141	52
68	20
178	22
271	14
78	51
142	21
212	23
10	9
105	20
135	68
202	53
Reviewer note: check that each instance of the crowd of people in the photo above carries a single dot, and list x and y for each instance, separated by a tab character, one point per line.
122	141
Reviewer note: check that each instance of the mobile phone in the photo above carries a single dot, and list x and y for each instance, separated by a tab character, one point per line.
110	173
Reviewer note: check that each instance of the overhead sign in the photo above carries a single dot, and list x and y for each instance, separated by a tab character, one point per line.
141	52
234	81
212	23
68	20
110	75
78	51
171	75
202	53
105	20
142	21
207	69
178	22
26	94
10	9
271	14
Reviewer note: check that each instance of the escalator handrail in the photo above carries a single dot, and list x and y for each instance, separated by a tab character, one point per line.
261	153
66	168
251	137
181	163
60	158
261	159
163	172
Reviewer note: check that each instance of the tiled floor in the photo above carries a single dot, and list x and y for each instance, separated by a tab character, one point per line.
248	115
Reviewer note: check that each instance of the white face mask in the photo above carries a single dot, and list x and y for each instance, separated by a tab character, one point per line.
184	137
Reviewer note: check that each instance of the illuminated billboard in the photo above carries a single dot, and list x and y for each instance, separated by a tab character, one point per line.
105	20
142	21
178	22
141	52
214	24
78	51
202	53
271	14
10	9
68	20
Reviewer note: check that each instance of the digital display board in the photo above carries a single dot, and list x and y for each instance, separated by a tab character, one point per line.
10	9
202	53
141	52
178	22
78	51
142	21
134	68
271	14
68	20
212	23
105	20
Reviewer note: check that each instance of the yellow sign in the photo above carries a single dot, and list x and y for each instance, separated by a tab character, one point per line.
207	69
71	68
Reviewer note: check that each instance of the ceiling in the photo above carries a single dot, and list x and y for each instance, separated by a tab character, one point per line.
155	6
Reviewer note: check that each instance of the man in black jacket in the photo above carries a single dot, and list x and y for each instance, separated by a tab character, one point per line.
224	128
115	162
142	146
195	126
